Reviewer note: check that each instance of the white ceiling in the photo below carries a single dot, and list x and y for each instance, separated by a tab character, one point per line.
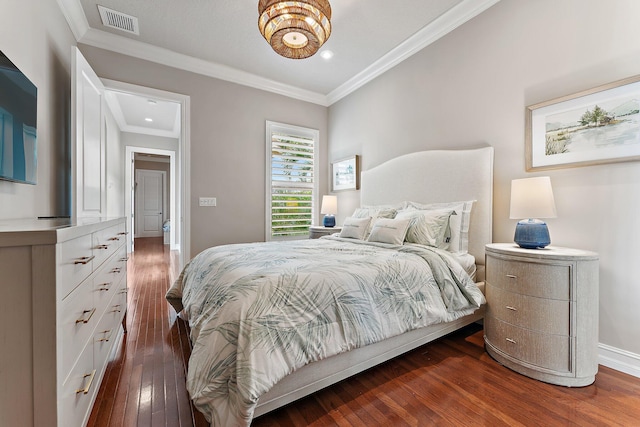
220	38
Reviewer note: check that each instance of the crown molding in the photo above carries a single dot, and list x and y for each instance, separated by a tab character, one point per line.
449	21
444	24
137	49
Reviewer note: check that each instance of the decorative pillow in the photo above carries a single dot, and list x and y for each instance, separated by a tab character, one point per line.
427	227
458	223
386	230
374	212
355	228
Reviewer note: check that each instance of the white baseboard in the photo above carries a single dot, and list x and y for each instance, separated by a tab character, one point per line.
620	360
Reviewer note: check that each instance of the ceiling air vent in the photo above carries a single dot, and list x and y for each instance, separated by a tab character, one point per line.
118	20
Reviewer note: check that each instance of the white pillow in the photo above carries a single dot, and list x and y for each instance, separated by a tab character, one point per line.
387	230
458	223
374	212
355	228
427	227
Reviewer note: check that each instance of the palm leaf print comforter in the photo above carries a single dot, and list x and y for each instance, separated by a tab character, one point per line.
259	311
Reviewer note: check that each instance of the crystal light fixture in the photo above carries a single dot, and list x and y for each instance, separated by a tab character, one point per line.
295	29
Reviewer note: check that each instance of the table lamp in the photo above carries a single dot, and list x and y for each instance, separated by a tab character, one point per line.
532	198
329	208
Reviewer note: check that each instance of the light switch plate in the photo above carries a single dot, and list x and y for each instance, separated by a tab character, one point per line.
208	201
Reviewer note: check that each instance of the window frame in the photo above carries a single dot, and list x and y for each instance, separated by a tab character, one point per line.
297	131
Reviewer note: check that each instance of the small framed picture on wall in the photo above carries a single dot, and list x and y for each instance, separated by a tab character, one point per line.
345	174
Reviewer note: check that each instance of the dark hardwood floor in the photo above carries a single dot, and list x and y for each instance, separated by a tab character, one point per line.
451	382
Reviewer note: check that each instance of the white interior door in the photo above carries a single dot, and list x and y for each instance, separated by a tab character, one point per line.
89	175
149	203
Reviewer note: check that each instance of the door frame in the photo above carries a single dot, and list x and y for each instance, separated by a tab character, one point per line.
136	201
179	172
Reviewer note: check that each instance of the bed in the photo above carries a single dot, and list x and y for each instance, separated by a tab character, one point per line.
446	298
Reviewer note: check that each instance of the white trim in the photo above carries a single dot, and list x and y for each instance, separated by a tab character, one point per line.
148	52
441	26
74	14
620	360
449	21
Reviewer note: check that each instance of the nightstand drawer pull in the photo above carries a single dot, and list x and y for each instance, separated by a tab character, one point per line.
508	307
511	340
512	276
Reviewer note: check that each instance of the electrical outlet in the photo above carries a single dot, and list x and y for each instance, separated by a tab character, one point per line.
207	201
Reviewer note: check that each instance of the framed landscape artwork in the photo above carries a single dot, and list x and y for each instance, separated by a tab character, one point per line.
600	125
345	174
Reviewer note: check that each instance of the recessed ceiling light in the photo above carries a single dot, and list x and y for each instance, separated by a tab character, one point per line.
148	119
327	54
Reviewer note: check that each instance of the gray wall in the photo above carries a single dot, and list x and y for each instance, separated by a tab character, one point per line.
471	88
37	39
228	145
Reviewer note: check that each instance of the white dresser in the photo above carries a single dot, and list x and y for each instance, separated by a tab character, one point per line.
64	299
542	312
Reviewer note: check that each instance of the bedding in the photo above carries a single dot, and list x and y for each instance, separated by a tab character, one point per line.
259	311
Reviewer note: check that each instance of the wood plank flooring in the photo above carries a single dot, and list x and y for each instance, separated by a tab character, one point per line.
451	382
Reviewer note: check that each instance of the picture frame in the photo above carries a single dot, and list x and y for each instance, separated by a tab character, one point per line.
595	126
345	174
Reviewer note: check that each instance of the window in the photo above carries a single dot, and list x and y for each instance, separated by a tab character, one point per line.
292	184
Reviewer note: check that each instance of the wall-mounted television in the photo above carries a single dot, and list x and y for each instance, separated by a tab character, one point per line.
18	115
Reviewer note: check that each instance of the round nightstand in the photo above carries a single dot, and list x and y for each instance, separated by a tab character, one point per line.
317	231
542	312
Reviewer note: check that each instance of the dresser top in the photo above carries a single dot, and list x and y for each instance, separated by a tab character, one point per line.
550	252
30	231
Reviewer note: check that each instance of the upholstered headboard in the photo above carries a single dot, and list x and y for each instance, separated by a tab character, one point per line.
438	176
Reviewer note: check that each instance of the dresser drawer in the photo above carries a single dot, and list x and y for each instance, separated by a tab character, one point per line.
106	242
547	351
530	278
106	332
78	390
75	263
78	318
108	278
538	314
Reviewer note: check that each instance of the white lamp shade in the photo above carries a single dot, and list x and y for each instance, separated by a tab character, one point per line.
532	198
329	205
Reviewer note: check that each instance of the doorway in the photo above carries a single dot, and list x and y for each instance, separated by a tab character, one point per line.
178	179
150	202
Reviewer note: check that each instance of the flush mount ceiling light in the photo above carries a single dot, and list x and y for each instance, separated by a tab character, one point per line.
295	29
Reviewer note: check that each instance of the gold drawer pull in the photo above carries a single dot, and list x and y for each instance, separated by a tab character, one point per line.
85	390
512	276
511	341
105	286
115	309
125	259
106	338
114	238
102	247
511	308
124	233
84	260
124	291
91	312
116	270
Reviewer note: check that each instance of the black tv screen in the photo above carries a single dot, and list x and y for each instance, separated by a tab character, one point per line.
18	114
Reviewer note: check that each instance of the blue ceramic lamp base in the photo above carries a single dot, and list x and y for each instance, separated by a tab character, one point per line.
532	234
329	221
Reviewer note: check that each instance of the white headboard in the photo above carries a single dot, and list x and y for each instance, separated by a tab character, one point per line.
438	176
